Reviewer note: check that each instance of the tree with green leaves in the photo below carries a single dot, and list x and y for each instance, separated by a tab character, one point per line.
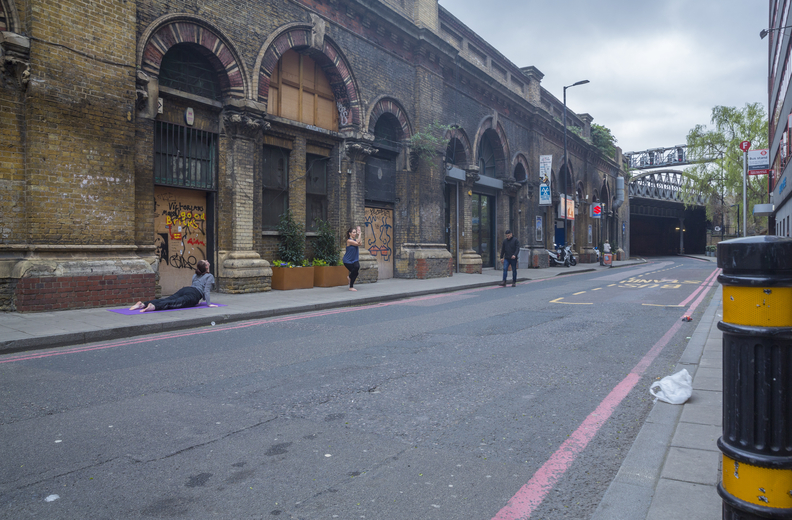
721	179
603	139
430	142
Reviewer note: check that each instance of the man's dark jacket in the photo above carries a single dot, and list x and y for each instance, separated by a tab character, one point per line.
511	246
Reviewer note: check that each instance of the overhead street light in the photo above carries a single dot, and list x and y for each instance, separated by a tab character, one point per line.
566	166
765	32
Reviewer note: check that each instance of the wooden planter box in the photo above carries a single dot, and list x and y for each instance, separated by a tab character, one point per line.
286	279
330	275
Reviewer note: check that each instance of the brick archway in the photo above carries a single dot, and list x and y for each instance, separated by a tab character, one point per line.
218	50
330	60
9	21
390	106
460	135
520	160
498	129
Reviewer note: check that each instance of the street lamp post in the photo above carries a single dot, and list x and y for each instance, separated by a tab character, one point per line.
738	217
765	32
723	180
566	165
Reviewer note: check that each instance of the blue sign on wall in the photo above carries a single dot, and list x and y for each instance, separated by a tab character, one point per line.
544	195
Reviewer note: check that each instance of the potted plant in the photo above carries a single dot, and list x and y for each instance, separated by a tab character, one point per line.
292	270
328	270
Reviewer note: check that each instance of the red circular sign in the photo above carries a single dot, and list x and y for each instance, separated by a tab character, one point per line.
745	146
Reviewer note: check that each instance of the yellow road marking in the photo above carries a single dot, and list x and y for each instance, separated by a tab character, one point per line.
597	289
611	285
658	305
581	292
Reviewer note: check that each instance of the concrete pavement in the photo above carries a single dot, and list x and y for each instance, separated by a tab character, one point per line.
669	473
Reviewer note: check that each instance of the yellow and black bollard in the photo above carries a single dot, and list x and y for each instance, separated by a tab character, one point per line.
757	377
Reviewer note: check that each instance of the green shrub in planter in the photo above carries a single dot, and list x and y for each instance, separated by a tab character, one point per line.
326	245
292	240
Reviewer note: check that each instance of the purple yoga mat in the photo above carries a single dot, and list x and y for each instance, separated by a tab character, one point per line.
125	311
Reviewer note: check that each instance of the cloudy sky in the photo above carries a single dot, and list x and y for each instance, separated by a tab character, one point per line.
657	67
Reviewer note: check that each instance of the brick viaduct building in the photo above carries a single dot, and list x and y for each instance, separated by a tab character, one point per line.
140	136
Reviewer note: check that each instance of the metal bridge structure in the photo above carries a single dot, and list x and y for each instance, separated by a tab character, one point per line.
671	156
666	185
667	214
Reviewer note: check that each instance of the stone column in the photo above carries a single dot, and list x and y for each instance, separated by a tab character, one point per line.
469	261
241	269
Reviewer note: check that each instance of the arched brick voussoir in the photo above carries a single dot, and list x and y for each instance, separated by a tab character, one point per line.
230	71
390	106
330	60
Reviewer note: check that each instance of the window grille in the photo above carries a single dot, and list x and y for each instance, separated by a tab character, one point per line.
275	181
184	68
316	191
184	157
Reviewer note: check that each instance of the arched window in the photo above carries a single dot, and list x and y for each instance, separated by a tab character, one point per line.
300	91
519	173
381	167
388	132
185	68
486	157
455	153
3	18
186	156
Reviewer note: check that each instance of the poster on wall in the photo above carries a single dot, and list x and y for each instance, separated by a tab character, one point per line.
545	170
569	207
539	228
179	235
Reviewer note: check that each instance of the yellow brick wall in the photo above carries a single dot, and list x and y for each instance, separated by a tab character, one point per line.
12	165
79	115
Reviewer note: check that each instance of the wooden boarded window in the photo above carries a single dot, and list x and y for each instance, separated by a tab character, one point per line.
300	91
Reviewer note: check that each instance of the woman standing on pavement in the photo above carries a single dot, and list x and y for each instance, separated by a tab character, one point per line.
352	255
202	282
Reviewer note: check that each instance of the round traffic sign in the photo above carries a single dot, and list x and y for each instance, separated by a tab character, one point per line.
745	146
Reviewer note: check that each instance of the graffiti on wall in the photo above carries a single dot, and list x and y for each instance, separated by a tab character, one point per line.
180	234
379	232
379	239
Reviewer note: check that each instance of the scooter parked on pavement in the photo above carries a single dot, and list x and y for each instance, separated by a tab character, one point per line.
562	256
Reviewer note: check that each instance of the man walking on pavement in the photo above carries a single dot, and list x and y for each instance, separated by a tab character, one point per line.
510	250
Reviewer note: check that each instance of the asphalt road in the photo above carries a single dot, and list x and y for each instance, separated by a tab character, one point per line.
480	404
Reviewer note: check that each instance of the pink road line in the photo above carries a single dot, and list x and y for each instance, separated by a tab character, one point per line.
77	350
160	337
700	287
531	495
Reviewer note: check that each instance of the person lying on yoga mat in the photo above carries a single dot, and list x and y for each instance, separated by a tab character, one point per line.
202	282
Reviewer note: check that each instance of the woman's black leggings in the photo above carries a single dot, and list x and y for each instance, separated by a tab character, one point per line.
353	272
184	297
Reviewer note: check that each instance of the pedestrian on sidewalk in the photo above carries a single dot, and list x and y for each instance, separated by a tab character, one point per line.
510	251
201	288
351	258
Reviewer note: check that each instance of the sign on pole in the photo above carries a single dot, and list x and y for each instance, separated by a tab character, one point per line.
596	210
545	170
745	146
758	162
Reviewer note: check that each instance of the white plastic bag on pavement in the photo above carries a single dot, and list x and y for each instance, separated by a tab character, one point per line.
674	389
